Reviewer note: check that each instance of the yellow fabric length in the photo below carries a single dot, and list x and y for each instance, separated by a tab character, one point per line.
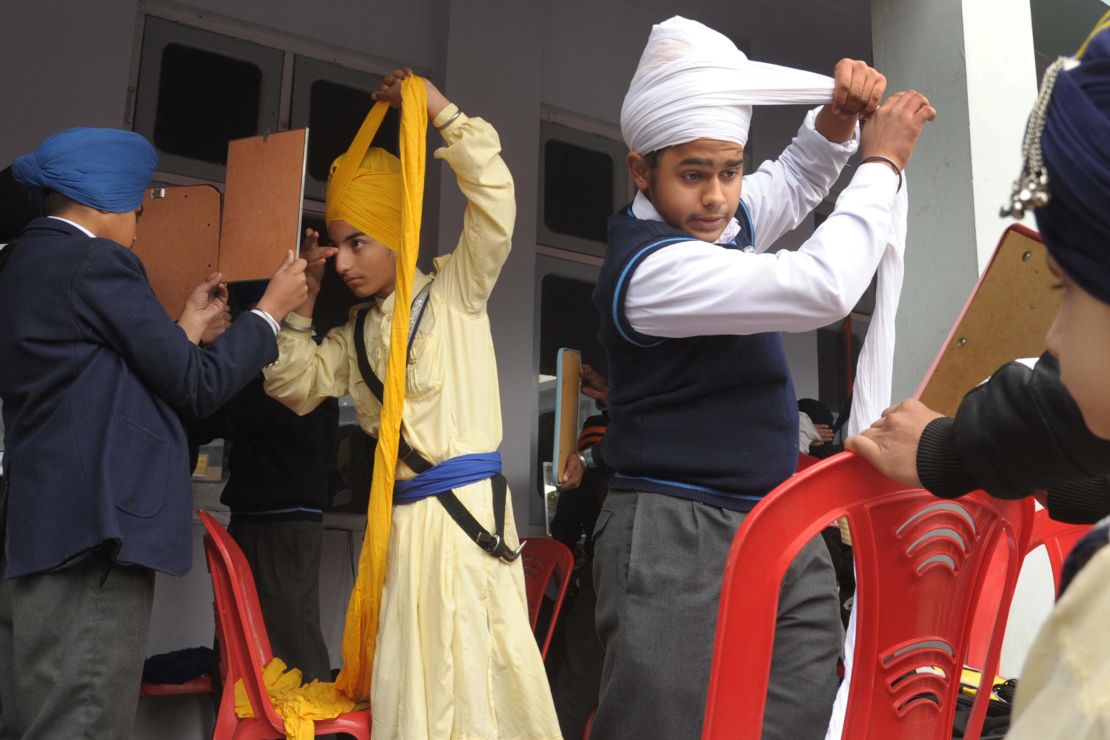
360	632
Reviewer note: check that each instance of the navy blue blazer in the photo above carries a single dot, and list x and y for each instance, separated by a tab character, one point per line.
94	376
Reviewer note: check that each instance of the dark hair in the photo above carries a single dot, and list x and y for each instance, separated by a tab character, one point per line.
54	203
818	412
652	158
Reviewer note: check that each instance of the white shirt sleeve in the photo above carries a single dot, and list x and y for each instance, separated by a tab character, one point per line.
694	288
269	320
781	193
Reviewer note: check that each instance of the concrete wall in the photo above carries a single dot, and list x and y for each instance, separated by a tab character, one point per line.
47	78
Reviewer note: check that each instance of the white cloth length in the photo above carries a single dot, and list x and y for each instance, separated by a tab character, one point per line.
870	396
693	288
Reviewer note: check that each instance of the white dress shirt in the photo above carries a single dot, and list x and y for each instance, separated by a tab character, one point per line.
694	288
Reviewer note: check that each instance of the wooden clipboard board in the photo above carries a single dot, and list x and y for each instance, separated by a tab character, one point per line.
178	241
263	198
568	384
1006	318
188	232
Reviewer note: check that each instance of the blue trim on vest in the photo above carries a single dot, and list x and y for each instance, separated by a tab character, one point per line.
688	491
748	222
632	263
447	476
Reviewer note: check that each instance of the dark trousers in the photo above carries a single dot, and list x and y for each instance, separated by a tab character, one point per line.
285	561
658	564
72	644
575	684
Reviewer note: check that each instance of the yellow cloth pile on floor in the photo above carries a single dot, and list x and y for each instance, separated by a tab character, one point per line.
299	705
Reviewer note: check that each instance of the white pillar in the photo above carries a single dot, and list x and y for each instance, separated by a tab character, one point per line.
494	70
974	60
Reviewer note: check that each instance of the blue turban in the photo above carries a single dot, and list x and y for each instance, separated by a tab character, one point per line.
1075	146
103	168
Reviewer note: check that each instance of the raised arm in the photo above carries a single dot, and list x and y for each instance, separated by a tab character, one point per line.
782	192
473	150
114	305
695	289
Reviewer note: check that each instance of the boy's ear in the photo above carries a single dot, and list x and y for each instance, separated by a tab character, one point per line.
641	171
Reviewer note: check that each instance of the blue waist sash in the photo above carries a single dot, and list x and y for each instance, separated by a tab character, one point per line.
448	475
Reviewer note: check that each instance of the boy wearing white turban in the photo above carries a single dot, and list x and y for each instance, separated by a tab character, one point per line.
703	419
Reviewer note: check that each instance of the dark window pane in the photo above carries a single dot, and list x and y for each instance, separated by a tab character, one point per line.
204	101
577	190
335	114
568	319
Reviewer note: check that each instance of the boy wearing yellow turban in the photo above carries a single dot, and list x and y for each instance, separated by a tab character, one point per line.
456	656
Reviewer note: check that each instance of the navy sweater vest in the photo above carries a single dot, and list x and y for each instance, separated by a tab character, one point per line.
709	418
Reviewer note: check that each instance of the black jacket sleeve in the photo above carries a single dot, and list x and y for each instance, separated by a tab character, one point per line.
1018	433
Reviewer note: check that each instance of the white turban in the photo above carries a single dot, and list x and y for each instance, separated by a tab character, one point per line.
693	83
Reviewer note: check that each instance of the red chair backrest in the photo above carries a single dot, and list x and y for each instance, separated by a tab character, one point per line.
920	564
1058	539
244	642
545	558
806	461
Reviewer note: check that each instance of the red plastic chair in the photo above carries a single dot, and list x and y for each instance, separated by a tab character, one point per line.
921	562
245	647
198	685
545	558
1058	539
806	461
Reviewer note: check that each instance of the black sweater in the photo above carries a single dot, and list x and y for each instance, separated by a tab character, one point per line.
1018	433
278	460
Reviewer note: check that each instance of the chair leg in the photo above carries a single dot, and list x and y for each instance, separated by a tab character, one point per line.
226	720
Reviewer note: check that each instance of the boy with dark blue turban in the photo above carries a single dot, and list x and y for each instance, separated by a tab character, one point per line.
96	494
1049	426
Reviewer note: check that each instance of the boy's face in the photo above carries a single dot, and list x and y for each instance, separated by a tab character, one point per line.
1080	338
367	266
694	186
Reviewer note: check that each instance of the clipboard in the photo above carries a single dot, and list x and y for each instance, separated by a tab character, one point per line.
263	198
188	232
568	384
178	241
1006	317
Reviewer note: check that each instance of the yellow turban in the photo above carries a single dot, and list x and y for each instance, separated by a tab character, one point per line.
369	198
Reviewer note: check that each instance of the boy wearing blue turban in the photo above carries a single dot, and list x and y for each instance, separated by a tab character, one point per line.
95	376
1049	426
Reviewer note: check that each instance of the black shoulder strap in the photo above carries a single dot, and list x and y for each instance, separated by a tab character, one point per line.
368	375
405	452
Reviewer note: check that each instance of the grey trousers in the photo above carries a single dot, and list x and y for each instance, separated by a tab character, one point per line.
285	561
658	564
72	644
